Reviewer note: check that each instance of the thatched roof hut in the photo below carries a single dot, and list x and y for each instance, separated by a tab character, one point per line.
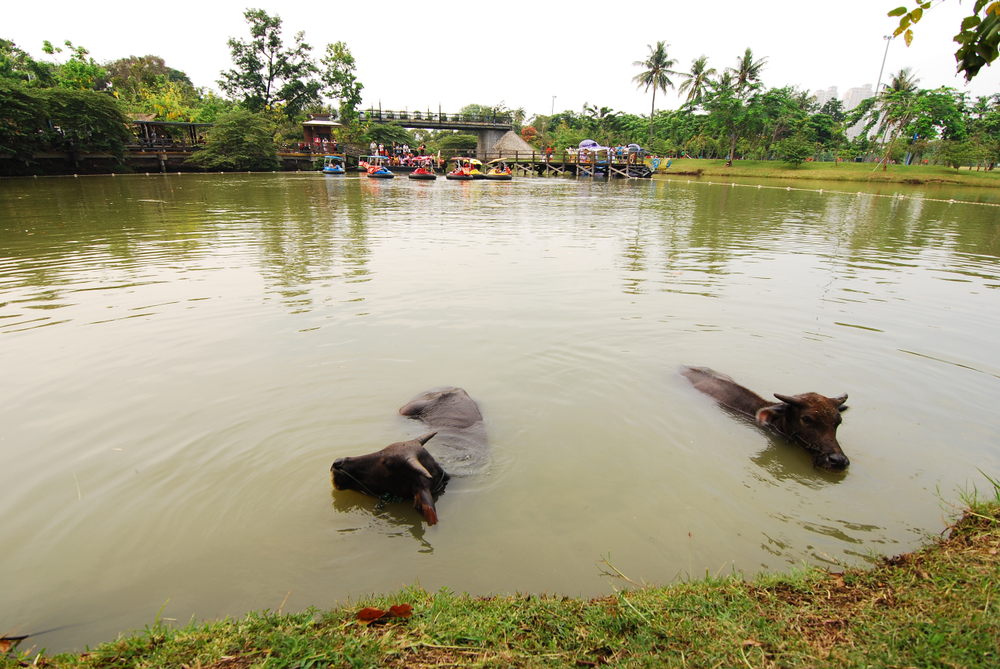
509	145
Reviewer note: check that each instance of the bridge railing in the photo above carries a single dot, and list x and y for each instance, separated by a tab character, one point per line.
501	118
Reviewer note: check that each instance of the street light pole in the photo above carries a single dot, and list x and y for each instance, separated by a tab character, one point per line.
553	111
888	39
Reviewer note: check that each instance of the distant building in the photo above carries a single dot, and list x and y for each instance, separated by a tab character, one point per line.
822	97
852	98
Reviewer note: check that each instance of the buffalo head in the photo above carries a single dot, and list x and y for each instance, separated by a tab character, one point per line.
810	419
404	469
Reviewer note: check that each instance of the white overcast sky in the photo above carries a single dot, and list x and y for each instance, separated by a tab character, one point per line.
418	55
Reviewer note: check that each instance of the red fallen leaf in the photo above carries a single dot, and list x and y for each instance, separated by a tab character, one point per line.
402	610
369	614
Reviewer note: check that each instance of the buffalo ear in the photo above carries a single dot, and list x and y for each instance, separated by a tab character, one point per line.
413	408
424	503
770	414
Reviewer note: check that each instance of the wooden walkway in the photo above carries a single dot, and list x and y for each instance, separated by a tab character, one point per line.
566	162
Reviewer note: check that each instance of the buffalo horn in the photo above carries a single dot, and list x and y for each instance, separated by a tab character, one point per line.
427	437
839	400
413	462
794	401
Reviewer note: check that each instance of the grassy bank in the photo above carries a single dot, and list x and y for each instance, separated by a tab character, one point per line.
904	174
937	607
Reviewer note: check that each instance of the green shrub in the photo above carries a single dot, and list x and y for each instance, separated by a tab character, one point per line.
239	141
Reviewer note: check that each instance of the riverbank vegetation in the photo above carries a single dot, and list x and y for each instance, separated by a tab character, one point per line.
727	111
936	607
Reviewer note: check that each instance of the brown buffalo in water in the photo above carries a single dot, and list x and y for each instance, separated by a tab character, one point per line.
809	419
406	469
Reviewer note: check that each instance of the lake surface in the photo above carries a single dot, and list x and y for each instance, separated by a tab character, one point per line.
184	356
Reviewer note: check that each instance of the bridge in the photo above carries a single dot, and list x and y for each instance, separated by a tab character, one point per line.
488	127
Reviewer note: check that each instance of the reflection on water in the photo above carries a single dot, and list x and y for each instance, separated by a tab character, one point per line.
394	519
185	355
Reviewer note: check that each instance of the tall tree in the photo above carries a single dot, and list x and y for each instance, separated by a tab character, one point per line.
340	81
79	72
896	103
600	120
268	74
129	76
747	73
655	75
16	64
727	109
696	81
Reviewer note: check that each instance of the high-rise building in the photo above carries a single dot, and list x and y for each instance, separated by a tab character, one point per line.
822	97
854	96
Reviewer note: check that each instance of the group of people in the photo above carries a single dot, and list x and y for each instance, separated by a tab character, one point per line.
402	154
619	153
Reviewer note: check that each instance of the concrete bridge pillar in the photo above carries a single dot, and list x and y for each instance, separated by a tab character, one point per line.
487	138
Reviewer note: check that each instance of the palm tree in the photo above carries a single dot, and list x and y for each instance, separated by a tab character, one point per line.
697	80
903	81
896	104
747	71
724	82
657	68
600	119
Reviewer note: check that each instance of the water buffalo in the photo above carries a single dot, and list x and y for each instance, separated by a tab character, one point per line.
809	419
406	469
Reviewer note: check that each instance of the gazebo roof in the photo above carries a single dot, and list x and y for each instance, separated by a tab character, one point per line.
320	121
510	144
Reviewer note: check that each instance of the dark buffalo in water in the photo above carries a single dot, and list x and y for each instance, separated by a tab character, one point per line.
809	419
406	469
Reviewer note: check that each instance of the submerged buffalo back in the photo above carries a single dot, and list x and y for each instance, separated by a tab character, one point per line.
461	444
443	408
809	419
724	390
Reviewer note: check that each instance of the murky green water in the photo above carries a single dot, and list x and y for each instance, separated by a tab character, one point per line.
184	356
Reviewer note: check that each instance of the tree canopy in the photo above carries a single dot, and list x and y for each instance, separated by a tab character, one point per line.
266	73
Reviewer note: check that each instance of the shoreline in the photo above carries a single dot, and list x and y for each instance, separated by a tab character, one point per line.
912	175
936	606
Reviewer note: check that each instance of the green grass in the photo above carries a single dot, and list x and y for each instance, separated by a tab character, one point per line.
937	607
908	174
